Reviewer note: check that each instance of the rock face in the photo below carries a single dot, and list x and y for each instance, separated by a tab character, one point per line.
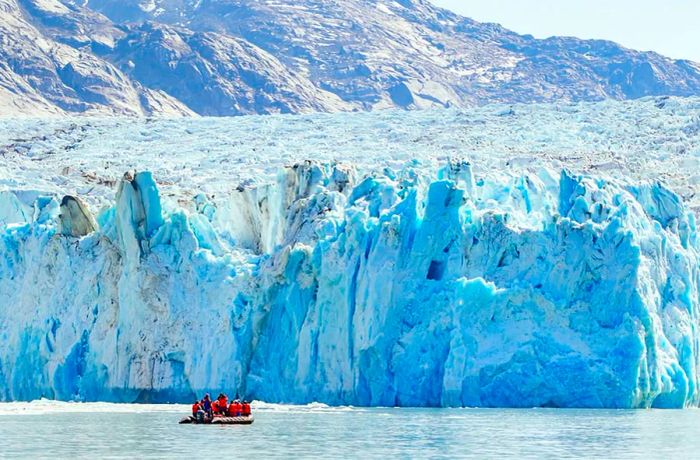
232	57
76	219
400	288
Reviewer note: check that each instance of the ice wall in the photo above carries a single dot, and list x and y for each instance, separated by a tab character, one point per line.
407	288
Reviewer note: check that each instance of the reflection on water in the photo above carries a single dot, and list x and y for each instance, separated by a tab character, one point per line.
60	430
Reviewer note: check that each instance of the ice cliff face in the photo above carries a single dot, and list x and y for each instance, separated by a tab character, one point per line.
400	288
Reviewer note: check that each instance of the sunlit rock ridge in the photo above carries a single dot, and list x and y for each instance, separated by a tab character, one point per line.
402	287
233	57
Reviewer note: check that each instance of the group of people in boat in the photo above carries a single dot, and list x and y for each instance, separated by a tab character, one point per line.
220	407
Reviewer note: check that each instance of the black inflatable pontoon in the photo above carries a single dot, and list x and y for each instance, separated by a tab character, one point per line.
219	421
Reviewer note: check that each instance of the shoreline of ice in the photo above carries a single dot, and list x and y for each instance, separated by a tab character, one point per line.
48	406
52	407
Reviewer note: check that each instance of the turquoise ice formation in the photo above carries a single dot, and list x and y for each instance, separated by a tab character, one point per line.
397	288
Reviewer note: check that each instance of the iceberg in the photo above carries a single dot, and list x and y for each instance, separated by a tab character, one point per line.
405	287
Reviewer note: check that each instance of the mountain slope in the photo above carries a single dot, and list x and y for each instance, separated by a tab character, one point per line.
231	57
46	67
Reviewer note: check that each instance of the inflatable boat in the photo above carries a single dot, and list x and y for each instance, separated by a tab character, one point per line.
247	420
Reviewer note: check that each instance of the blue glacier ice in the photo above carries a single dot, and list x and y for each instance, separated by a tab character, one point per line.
405	287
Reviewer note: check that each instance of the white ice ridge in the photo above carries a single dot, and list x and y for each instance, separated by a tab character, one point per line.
403	287
646	140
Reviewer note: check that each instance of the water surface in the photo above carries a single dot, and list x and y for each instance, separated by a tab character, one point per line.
63	430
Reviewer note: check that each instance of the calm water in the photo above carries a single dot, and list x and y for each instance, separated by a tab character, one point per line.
59	430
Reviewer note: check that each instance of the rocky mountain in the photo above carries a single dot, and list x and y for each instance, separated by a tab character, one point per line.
233	57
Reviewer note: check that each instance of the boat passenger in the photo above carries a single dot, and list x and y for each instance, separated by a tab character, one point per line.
222	402
206	405
235	409
215	408
245	409
196	407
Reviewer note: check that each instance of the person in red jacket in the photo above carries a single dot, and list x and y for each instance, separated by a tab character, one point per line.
222	401
196	407
216	410
235	409
245	409
232	409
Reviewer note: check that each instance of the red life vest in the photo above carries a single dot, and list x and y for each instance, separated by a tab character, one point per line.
222	404
196	408
237	408
215	407
246	409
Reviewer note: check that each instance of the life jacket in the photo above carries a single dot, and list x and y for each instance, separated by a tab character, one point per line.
245	409
237	409
221	405
196	407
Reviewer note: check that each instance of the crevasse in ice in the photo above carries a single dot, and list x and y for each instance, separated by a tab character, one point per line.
401	288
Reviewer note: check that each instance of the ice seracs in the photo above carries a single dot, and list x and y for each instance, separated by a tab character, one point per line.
403	287
647	140
138	213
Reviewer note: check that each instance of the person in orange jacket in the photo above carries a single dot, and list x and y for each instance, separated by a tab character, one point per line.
196	407
222	402
235	409
232	409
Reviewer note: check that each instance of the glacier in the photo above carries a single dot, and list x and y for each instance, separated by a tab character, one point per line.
403	286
